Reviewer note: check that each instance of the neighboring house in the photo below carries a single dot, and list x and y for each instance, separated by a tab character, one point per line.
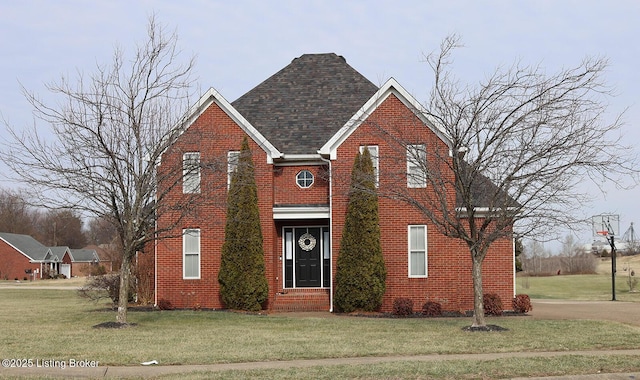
59	266
305	125
23	257
105	253
80	262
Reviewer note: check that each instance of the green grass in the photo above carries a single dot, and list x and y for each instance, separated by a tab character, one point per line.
57	324
63	325
587	287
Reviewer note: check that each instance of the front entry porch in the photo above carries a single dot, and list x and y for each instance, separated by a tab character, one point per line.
302	300
306	269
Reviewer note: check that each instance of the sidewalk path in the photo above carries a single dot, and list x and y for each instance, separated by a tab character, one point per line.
154	371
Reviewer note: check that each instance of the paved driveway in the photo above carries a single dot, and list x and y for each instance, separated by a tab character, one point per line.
625	312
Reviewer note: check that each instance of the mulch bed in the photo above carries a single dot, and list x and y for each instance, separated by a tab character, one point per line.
114	325
487	328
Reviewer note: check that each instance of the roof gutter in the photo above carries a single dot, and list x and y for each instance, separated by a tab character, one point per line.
481	212
330	232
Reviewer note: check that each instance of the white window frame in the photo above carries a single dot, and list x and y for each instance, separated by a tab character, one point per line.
190	233
416	173
413	249
374	152
191	173
233	156
305	179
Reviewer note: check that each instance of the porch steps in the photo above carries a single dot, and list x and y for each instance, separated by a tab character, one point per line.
302	300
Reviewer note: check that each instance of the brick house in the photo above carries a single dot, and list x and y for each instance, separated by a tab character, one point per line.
23	257
81	262
305	125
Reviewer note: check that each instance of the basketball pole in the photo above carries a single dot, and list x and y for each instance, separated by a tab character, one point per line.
602	226
613	266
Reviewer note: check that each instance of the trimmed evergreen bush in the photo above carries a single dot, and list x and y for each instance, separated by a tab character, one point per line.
165	304
361	272
492	304
522	304
403	306
432	309
242	276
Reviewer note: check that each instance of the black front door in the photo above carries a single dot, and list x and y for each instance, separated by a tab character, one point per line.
308	263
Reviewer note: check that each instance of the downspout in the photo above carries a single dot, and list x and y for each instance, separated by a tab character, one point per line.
513	255
330	234
155	259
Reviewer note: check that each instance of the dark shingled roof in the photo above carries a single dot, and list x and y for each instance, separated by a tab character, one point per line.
303	105
84	255
27	245
484	193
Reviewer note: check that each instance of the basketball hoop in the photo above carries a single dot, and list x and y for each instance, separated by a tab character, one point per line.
605	225
608	226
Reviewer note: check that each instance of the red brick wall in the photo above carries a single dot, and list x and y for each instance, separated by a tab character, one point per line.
287	192
213	134
449	265
13	263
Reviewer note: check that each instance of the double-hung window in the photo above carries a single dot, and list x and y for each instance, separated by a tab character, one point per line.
191	172
232	164
191	254
375	160
417	250
416	170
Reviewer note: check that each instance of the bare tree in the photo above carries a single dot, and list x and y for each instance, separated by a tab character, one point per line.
521	145
15	214
100	231
109	133
534	256
61	228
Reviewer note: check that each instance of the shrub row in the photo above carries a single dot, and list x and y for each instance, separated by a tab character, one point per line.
492	306
404	307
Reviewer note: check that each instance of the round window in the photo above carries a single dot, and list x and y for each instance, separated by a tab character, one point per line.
304	179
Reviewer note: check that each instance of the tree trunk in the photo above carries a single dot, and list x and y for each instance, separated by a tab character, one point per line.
478	305
123	298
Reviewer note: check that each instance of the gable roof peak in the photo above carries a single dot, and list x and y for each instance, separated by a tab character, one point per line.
301	106
314	56
390	87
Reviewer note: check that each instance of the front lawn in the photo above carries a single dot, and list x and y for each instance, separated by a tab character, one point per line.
57	324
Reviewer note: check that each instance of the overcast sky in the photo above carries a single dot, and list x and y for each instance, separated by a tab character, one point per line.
238	44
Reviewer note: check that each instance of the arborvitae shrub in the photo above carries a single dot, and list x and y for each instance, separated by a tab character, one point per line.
432	309
522	304
403	306
242	276
361	273
492	304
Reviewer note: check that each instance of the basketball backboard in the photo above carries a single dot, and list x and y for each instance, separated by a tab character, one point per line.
605	225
